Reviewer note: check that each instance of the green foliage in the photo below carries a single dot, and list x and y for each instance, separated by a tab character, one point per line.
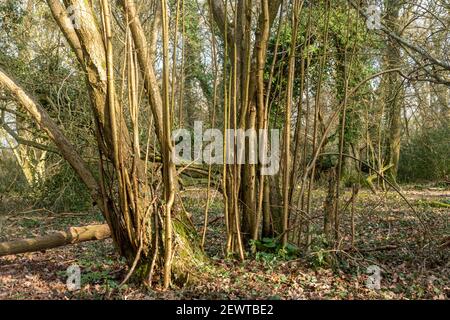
426	156
435	204
11	16
274	246
11	178
320	255
268	259
98	277
63	191
94	277
29	223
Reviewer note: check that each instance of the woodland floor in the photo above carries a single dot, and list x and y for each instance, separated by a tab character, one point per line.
414	267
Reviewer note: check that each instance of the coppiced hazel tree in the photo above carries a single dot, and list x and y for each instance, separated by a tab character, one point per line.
295	65
245	108
147	228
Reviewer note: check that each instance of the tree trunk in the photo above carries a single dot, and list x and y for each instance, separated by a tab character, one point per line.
394	94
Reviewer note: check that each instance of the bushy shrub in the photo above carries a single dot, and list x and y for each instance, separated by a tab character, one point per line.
426	156
63	191
11	178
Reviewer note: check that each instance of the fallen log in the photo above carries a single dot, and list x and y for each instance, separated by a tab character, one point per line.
58	239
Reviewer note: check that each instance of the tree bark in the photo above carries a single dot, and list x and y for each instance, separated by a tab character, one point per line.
394	92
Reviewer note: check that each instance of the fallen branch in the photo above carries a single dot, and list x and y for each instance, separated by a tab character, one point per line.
58	239
383	248
445	243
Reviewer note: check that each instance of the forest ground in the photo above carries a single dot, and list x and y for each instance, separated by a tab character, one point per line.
414	266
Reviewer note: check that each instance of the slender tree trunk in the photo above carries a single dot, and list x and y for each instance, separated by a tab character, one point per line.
394	87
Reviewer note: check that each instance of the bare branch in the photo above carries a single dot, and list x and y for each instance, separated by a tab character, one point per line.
47	124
